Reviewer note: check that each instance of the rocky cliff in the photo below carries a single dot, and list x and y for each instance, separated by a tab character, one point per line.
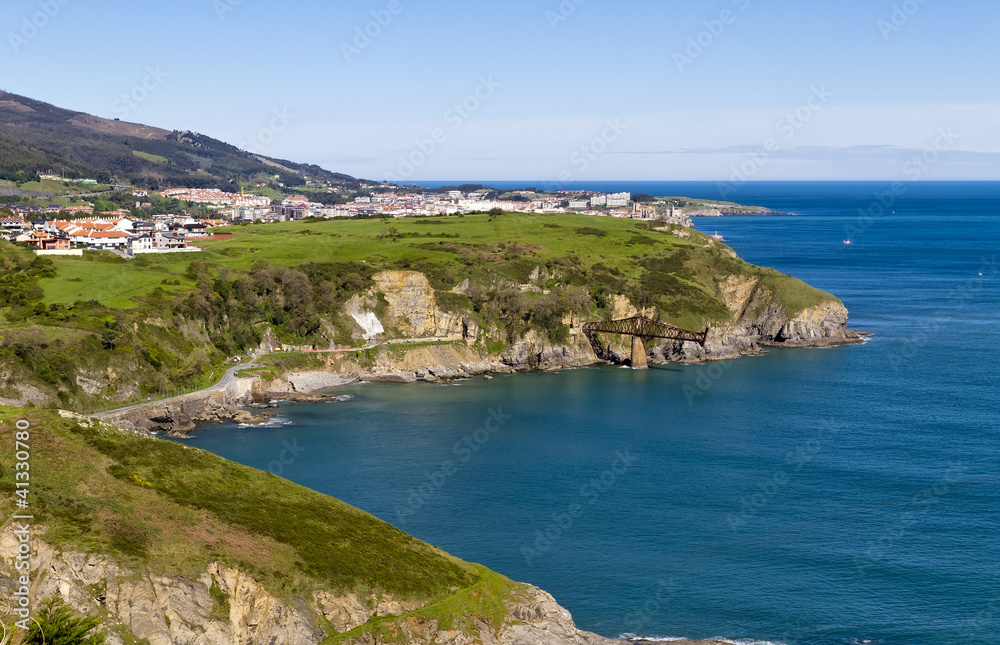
433	345
178	416
225	606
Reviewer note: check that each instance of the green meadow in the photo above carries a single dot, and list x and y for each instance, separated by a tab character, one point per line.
678	274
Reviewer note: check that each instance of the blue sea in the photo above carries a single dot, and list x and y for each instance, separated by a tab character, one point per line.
816	496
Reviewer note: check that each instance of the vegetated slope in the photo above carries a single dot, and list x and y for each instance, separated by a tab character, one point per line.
157	508
168	321
37	138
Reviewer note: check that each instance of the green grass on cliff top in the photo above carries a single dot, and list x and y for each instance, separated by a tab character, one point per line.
450	249
164	507
159	507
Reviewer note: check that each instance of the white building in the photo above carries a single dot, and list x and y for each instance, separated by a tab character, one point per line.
143	242
619	200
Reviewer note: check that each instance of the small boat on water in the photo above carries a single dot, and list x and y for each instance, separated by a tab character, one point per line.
848	242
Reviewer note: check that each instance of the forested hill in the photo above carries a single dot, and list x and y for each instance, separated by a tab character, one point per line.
39	138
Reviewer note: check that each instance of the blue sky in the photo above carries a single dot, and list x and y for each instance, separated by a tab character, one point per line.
540	89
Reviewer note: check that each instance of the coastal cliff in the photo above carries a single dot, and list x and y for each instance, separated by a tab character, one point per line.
224	605
441	345
167	545
504	293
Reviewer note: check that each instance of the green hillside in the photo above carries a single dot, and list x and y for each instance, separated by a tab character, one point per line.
39	138
171	320
162	508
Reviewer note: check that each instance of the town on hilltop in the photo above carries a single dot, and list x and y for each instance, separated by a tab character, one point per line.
190	213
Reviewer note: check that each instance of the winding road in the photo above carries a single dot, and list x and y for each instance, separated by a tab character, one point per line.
230	374
224	382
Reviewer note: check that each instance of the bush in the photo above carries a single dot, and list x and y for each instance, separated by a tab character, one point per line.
58	626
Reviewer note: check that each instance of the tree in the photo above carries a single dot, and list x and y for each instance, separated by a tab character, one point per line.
496	212
56	625
643	198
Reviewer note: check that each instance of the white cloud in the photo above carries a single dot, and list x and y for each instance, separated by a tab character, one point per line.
837	142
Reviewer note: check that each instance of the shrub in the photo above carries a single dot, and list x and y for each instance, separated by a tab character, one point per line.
58	626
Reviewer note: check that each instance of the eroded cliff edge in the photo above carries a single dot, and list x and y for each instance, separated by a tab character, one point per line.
407	336
224	606
148	537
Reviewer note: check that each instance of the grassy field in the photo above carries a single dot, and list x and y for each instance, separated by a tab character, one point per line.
109	280
164	508
581	249
97	329
266	191
150	157
60	187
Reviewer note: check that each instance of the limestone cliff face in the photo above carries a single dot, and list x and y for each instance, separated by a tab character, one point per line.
760	316
413	305
824	324
167	610
534	619
759	320
164	610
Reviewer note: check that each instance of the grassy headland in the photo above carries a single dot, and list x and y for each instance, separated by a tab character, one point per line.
171	320
162	508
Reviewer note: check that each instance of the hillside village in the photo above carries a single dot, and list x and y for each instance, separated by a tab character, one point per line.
69	230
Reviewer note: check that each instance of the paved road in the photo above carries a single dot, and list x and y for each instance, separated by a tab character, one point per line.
224	382
230	374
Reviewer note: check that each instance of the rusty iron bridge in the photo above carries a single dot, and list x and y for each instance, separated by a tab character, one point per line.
642	329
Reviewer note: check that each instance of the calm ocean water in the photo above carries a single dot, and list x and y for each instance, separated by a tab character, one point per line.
833	496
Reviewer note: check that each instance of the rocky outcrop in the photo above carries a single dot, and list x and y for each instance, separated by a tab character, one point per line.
819	326
24	393
410	308
162	610
533	619
177	417
308	382
413	308
224	605
345	612
534	351
759	320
